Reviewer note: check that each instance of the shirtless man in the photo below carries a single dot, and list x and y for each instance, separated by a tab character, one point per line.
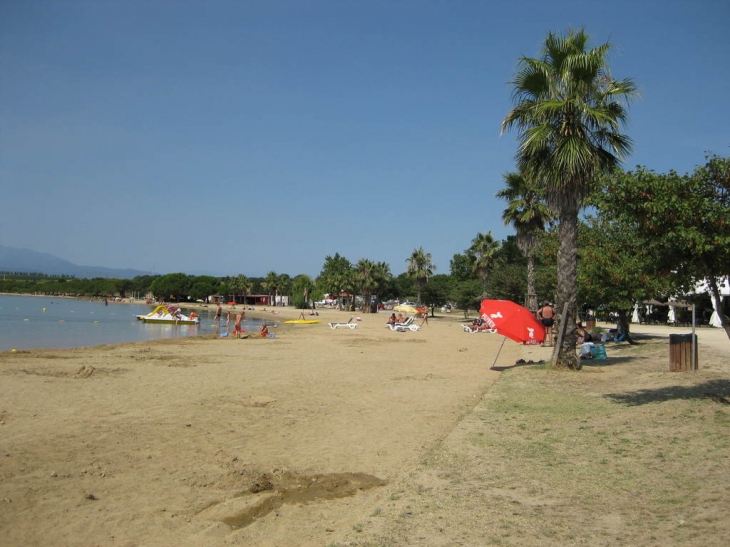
218	313
546	315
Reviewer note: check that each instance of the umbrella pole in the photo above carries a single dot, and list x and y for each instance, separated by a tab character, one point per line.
500	351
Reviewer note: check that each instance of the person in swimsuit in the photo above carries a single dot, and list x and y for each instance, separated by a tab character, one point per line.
237	325
546	315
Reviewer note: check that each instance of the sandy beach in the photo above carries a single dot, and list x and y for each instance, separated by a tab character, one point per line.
291	440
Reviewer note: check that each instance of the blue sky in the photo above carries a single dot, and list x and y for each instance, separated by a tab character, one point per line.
232	137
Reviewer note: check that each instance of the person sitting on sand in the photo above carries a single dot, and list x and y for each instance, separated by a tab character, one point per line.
264	331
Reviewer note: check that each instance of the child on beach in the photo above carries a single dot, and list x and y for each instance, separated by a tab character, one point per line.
237	326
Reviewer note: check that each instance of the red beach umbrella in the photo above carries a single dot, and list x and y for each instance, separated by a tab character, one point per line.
513	321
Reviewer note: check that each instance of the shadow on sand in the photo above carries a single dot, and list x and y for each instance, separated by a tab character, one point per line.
716	390
519	363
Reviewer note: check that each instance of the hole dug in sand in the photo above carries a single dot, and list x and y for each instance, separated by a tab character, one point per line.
268	493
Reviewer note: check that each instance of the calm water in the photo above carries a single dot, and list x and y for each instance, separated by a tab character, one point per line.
71	323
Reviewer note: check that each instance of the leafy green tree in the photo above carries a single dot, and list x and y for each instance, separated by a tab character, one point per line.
420	268
568	113
203	286
174	287
404	287
257	285
142	284
616	268
302	288
462	267
528	212
336	276
467	295
508	281
123	287
686	218
438	291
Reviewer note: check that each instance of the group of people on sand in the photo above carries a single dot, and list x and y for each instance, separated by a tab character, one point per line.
400	318
546	316
395	319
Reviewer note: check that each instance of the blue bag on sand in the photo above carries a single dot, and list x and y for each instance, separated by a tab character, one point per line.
598	351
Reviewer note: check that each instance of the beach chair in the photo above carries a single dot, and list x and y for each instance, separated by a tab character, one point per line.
472	329
408	324
350	324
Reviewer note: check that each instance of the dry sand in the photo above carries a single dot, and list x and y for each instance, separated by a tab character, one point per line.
217	441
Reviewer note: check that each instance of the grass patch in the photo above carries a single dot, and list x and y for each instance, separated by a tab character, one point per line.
633	455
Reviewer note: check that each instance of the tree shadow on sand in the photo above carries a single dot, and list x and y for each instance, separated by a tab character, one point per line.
519	363
716	390
619	353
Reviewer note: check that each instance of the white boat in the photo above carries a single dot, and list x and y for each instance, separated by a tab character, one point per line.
169	315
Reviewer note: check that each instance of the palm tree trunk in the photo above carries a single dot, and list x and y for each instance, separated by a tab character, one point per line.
623	323
531	295
567	289
714	291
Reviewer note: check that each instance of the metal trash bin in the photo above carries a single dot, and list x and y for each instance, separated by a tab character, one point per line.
680	352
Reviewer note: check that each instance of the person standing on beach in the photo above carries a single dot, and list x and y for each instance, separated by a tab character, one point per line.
228	320
546	315
218	313
237	326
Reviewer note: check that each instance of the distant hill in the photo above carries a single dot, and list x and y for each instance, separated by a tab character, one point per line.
25	260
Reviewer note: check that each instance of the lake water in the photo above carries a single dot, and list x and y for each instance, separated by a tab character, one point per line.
28	322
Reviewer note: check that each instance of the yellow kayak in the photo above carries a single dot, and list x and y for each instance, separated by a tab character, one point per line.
301	321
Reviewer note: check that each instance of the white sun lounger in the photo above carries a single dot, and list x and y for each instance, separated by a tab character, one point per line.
406	325
350	324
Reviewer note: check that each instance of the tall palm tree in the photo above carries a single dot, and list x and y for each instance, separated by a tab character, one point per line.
568	112
364	276
283	285
243	284
483	248
528	212
420	268
232	286
383	276
271	284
